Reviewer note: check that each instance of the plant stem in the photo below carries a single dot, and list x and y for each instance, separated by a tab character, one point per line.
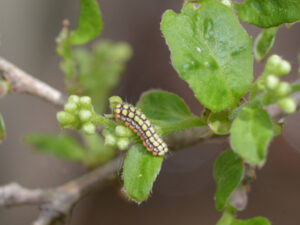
103	121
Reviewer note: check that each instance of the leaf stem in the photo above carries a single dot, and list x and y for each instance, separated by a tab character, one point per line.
182	125
228	216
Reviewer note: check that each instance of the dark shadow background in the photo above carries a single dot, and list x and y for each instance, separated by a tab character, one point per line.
184	191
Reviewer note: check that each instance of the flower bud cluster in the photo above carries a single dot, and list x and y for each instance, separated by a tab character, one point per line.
118	137
280	90
78	114
277	66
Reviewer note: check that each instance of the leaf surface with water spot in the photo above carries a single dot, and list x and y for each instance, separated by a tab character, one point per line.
211	51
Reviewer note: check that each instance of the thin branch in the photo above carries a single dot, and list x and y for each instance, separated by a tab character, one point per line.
57	203
13	194
21	81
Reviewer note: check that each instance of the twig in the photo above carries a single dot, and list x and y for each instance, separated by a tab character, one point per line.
57	203
20	81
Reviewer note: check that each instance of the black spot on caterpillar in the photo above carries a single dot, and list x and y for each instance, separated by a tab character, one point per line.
138	123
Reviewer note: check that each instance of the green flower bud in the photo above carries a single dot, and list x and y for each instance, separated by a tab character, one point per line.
85	115
288	105
65	118
74	99
284	68
85	102
272	82
276	65
123	131
283	89
89	128
70	107
123	143
273	62
110	140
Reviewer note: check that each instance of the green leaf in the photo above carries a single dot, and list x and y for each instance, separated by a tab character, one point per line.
228	219
168	111
62	146
253	221
100	70
264	43
90	23
140	171
251	134
269	13
211	51
220	123
228	173
2	129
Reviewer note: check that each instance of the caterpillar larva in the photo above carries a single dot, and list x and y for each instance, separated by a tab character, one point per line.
137	122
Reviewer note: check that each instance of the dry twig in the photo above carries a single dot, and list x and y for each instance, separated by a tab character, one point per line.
22	82
57	203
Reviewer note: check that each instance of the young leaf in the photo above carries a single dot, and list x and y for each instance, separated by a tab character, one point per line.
251	134
264	43
228	219
168	111
63	48
140	171
2	129
211	51
100	70
228	173
90	23
253	221
62	146
269	13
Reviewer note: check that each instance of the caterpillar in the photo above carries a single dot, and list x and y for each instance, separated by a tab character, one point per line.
136	120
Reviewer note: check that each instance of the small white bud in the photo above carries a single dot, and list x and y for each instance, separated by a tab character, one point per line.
283	89
110	140
85	101
74	99
123	143
89	128
272	82
85	115
288	105
284	68
70	107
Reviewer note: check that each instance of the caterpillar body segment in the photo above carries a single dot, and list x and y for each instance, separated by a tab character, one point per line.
138	123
